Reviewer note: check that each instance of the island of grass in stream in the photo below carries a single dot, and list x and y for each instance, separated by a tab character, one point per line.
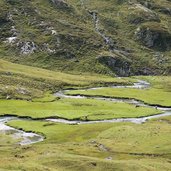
83	109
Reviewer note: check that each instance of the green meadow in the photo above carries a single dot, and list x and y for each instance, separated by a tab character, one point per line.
74	109
158	94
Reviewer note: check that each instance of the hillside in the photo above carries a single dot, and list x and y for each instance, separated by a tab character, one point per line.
119	37
25	82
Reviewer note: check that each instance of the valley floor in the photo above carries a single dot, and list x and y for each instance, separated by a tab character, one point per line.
120	146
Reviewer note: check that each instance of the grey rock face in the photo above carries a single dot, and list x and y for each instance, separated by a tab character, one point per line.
63	5
147	36
117	64
166	11
154	38
60	3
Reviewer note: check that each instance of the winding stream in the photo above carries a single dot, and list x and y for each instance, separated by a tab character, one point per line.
139	85
28	138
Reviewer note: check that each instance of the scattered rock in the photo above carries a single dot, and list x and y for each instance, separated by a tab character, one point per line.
48	49
8	97
109	158
93	163
9	73
22	91
166	10
60	3
102	147
27	47
19	156
10	40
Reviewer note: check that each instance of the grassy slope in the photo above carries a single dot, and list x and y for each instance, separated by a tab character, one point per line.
77	44
160	92
73	42
36	81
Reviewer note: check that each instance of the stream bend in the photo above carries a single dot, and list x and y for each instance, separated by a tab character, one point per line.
26	138
139	85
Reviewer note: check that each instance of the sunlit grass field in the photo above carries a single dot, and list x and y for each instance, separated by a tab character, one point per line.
158	94
82	109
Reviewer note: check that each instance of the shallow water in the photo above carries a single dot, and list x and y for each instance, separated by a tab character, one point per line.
26	138
133	120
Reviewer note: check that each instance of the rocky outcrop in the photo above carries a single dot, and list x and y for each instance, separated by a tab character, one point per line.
154	36
5	23
27	48
119	65
165	10
3	18
62	4
139	13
